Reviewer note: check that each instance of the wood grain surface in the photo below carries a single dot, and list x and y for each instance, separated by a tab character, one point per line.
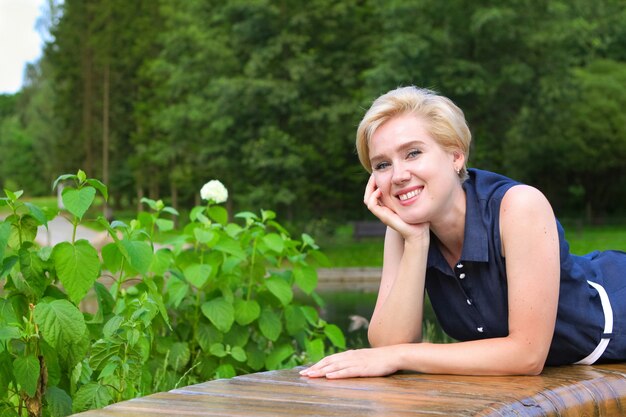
558	391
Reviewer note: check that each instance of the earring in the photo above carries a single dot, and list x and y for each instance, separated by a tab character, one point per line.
458	171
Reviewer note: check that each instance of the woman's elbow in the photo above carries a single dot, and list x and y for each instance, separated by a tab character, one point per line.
533	369
378	339
531	365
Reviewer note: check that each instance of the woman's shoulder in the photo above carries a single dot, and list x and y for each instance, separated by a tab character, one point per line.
487	185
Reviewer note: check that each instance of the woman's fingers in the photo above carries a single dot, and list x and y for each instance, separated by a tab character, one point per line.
369	189
352	363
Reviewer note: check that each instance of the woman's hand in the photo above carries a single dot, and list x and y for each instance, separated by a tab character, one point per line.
374	202
354	363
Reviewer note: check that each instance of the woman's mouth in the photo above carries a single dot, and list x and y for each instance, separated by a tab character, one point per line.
410	194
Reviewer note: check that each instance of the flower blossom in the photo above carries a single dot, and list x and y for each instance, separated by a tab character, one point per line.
214	191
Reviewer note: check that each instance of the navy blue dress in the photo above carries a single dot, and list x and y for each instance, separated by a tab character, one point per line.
471	301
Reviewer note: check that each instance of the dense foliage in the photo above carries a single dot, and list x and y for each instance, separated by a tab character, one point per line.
217	300
153	96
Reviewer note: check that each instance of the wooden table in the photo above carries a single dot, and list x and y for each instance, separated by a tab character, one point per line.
560	391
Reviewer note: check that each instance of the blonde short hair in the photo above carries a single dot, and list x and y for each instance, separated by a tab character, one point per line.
445	121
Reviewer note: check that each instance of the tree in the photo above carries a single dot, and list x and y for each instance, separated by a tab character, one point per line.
572	143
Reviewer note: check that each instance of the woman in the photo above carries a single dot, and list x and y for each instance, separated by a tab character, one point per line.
487	249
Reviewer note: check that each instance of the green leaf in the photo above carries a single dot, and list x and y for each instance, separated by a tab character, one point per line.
90	396
170	210
270	324
100	187
77	201
193	214
274	242
335	335
7	265
256	357
218	350
26	228
112	326
78	267
198	274
237	336
267	215
7	313
246	311
225	371
59	402
105	303
75	352
320	258
61	323
314	349
208	237
277	356
206	335
161	261
5	233
109	369
179	355
308	241
13	196
33	275
230	246
176	291
280	289
53	368
81	175
306	278
164	225
238	354
151	203
157	299
247	215
102	351
112	257
218	214
62	178
220	312
8	333
26	370
139	254
37	213
311	315
294	317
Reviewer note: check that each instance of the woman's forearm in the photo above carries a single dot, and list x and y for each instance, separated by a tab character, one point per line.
498	356
398	317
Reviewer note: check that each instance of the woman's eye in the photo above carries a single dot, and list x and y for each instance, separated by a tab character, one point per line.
381	165
413	153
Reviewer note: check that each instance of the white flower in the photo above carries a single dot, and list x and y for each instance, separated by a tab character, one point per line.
215	191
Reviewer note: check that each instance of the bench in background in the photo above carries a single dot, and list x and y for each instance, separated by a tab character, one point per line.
367	228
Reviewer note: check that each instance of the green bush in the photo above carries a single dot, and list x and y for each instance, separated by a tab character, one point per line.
215	301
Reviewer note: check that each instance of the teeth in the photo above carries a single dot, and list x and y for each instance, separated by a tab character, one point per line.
410	194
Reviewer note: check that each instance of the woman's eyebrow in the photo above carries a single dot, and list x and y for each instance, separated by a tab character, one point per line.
401	148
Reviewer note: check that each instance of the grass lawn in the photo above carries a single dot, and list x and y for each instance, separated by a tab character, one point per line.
369	252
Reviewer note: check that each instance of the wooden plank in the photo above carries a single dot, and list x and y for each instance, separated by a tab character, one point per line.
559	391
353	279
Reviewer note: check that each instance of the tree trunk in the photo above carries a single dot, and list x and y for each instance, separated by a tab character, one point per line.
87	65
105	135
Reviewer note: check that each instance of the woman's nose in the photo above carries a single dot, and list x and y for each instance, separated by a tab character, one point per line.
400	174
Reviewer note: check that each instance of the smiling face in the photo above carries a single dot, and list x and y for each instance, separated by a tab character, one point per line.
416	176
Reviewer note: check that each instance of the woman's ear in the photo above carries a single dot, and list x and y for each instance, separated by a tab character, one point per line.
458	159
